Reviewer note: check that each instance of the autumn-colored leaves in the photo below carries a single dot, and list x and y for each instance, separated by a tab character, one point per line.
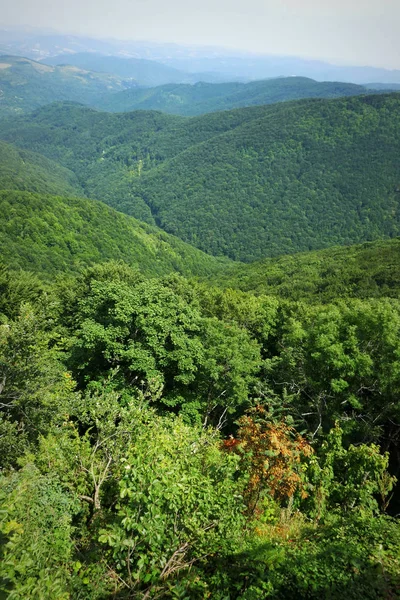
271	454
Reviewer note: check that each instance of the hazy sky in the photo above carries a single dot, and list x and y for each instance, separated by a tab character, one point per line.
364	32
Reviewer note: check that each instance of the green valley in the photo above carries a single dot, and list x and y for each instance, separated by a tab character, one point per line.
175	424
246	183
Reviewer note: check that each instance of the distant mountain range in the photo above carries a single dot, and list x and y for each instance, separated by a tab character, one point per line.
144	72
224	64
122	84
261	67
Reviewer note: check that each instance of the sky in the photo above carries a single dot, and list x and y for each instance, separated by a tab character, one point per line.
356	32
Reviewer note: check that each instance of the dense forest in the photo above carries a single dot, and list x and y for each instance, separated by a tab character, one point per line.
361	271
178	425
28	171
50	234
204	97
246	183
161	438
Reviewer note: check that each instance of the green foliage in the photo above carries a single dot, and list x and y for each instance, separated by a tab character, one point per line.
256	314
362	271
149	497
247	183
200	98
26	171
50	234
227	372
348	479
355	558
117	499
178	504
157	338
146	331
36	527
33	384
16	288
340	362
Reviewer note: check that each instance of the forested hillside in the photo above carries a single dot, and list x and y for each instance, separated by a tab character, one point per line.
362	271
247	183
174	425
301	176
50	234
26	84
24	170
203	97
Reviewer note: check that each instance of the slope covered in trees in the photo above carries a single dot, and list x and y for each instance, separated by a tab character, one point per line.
361	271
203	97
26	84
302	176
24	170
164	438
102	150
246	183
49	234
160	440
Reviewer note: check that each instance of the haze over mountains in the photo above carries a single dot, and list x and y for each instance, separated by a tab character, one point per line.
199	323
26	84
142	71
224	64
93	72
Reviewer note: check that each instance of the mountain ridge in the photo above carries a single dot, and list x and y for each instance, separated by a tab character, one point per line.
366	270
202	98
26	84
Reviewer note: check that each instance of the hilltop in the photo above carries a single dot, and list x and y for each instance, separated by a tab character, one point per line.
26	84
369	270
